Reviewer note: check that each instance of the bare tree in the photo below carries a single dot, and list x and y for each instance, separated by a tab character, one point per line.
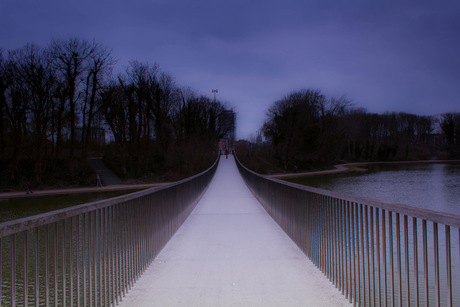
292	124
3	87
16	106
114	109
69	59
39	84
99	66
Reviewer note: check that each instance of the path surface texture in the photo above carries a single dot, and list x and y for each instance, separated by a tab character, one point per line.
230	252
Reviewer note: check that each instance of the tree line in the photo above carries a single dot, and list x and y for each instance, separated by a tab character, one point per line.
307	130
54	101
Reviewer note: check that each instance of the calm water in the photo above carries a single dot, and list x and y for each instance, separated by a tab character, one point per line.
431	186
19	208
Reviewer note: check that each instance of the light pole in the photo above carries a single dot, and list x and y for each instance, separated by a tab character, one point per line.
214	92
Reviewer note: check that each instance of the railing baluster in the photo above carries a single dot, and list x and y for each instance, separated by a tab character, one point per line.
91	253
85	255
358	258
100	258
25	269
342	246
337	243
37	265
55	251
371	234
63	259
77	258
391	256
363	274
71	277
448	266
425	262
384	259
1	271
398	257
354	234
368	267
406	259
436	264
13	270
47	266
415	249
348	250
377	238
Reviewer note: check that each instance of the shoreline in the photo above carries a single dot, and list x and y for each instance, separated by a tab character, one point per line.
353	167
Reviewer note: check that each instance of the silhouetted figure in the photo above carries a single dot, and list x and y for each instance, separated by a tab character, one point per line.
29	188
226	154
98	181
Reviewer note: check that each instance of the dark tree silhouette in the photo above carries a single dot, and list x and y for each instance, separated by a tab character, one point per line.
69	60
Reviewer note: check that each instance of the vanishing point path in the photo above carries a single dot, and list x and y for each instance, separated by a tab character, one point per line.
230	252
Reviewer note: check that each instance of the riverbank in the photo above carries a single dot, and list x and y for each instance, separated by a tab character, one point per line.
353	167
72	191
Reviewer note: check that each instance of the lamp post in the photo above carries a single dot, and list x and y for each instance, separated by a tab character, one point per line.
214	92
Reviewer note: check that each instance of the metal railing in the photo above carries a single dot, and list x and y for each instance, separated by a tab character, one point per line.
91	254
376	253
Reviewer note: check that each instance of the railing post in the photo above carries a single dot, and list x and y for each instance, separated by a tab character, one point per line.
368	268
351	250
384	259
357	258
415	246
436	264
372	258
425	262
377	238
398	257
25	269
406	253
448	266
390	245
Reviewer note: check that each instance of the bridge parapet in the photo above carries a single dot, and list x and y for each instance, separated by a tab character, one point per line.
376	253
91	254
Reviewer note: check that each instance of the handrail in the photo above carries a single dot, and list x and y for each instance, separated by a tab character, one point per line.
18	225
91	254
376	253
422	213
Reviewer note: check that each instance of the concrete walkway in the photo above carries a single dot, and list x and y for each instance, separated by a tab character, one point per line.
230	252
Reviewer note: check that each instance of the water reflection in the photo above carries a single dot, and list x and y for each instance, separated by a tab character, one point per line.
430	186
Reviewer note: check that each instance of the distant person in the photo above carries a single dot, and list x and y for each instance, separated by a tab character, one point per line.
29	188
226	154
98	181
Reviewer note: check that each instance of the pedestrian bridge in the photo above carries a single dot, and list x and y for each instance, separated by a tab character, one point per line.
230	237
230	252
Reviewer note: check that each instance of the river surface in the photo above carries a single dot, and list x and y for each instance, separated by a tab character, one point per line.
434	186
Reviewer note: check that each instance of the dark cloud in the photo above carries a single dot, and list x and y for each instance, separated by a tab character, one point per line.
384	55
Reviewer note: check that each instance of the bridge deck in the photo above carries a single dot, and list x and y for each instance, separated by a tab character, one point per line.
229	252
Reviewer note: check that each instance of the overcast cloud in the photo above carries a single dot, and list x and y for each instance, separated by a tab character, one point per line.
382	55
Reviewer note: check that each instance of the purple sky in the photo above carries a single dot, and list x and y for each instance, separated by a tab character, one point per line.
383	55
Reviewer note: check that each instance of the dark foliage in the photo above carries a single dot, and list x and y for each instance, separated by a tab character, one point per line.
307	131
56	102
